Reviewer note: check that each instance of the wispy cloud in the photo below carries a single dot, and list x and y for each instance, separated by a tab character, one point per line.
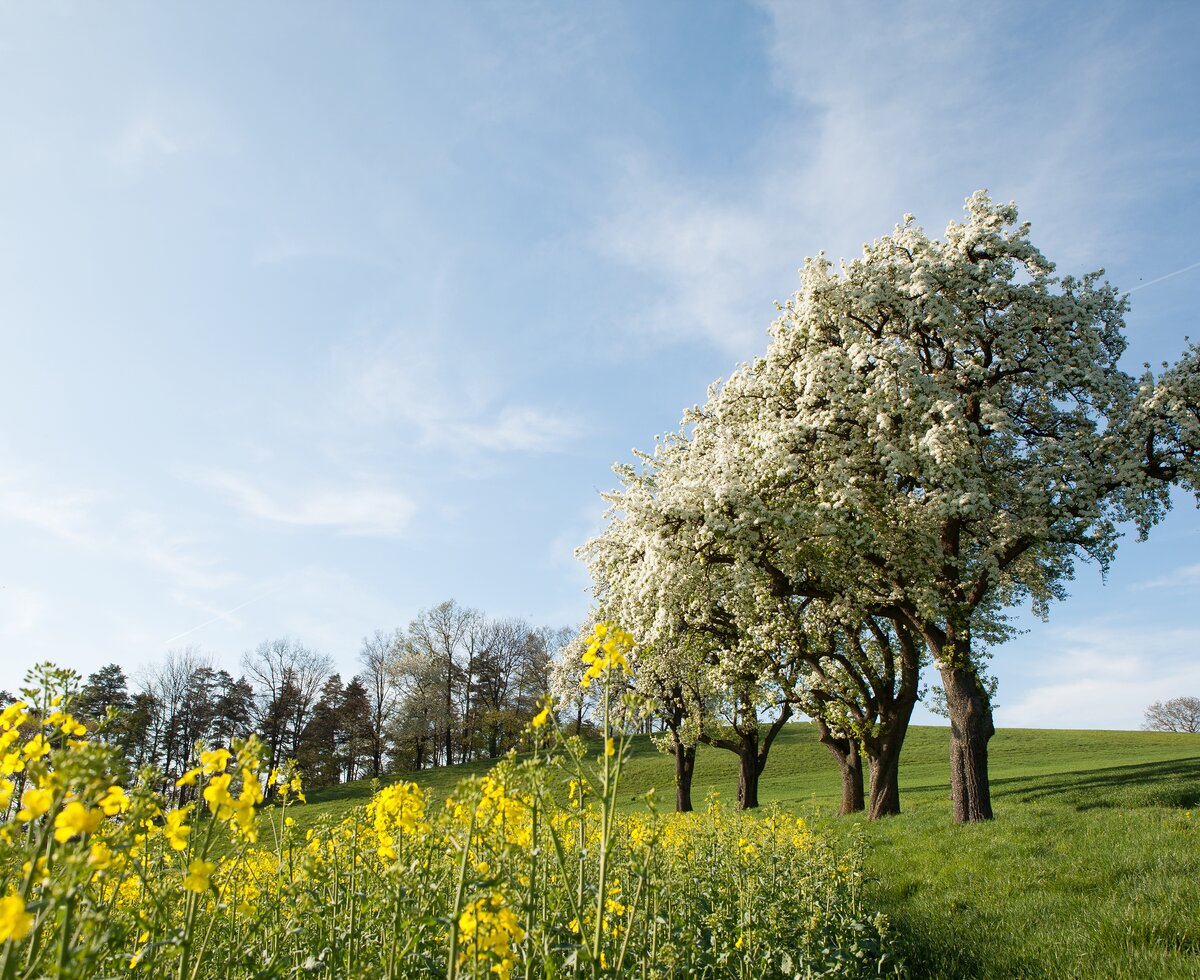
515	428
713	255
1104	676
215	615
442	398
97	524
894	109
299	247
143	141
148	539
65	515
166	129
1163	278
368	511
1186	577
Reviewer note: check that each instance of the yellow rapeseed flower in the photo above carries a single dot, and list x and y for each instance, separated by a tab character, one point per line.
34	802
66	723
215	761
13	716
15	922
607	648
199	873
36	748
76	819
242	817
541	717
489	929
396	808
102	857
189	778
217	795
114	801
174	830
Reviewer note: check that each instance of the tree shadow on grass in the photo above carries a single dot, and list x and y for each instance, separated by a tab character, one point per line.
1174	783
1171	783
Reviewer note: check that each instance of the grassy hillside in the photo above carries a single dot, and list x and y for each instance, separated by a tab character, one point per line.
1092	867
1099	768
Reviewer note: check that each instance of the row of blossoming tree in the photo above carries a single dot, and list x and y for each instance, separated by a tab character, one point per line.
937	434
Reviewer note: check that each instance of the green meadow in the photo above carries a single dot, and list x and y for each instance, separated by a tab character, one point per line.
1090	869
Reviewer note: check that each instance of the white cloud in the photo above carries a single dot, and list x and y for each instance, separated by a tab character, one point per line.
283	248
165	129
215	614
1186	577
356	510
451	400
148	539
894	109
1102	676
518	428
91	523
65	515
143	141
713	255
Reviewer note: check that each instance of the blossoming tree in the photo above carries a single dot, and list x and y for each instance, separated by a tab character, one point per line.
936	434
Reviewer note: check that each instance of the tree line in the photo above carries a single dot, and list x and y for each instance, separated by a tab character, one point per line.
452	686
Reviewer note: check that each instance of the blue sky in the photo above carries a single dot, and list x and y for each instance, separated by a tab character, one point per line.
315	315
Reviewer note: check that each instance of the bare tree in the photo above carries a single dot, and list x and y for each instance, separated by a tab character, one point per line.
1175	715
288	678
177	687
496	680
378	657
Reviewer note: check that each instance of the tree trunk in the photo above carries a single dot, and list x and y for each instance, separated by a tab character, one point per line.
685	766
748	773
852	780
885	784
750	749
449	733
970	729
884	749
845	751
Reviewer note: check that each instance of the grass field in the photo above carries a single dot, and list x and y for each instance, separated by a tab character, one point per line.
1091	868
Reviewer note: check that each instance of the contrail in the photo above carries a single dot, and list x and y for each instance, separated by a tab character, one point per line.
1177	272
216	618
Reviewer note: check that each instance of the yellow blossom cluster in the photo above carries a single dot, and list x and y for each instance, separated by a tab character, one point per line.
607	648
528	870
490	932
499	809
395	811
